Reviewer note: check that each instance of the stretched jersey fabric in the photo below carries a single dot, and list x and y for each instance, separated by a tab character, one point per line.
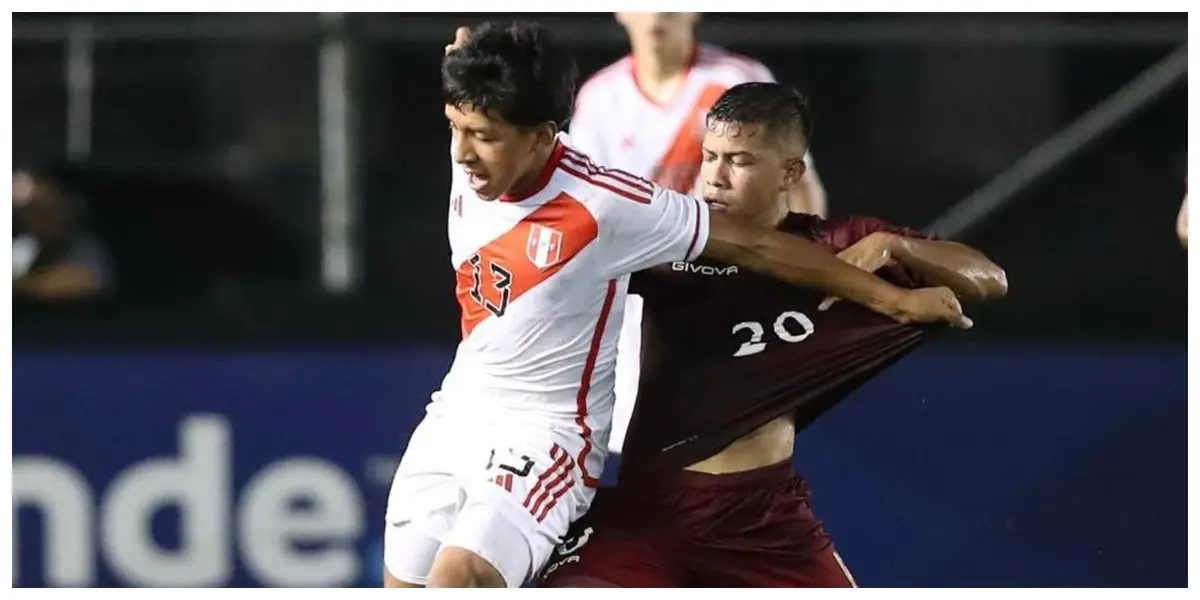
541	283
726	351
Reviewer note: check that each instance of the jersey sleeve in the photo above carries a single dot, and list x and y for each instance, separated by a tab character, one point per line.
644	230
847	232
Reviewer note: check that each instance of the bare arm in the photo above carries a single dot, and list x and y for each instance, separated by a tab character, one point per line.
957	266
807	264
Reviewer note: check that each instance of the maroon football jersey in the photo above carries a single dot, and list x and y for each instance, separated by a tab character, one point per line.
725	351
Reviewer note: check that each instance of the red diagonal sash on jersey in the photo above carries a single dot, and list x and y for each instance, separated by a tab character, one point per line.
522	258
681	164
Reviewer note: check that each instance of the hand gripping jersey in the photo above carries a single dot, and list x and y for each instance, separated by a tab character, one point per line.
726	351
541	286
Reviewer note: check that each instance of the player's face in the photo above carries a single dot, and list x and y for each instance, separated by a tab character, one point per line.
746	173
658	29
497	156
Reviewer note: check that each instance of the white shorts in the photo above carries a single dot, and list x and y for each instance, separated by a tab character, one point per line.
507	494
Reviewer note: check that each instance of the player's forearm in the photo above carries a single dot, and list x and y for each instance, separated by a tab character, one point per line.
805	263
957	266
800	262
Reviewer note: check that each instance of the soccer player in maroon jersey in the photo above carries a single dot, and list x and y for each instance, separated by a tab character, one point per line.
733	364
537	384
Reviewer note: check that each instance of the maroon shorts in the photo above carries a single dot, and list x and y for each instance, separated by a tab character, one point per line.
751	529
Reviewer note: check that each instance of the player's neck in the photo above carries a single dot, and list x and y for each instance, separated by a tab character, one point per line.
659	68
530	179
775	217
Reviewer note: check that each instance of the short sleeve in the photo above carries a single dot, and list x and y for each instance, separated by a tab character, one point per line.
864	226
642	231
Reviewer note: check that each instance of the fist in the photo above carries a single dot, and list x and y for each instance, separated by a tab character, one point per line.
460	37
869	254
932	305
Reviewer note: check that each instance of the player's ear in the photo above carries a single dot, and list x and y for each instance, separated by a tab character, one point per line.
793	172
544	135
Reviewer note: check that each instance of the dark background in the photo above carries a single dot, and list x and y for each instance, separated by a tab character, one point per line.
1045	447
204	173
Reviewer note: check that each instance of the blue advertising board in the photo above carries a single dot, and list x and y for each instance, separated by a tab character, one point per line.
992	466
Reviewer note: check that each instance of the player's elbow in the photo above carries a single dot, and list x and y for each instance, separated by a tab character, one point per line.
997	285
987	284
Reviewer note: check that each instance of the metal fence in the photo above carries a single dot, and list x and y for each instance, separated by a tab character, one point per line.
326	123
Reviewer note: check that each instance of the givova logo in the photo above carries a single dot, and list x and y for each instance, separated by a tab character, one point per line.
296	521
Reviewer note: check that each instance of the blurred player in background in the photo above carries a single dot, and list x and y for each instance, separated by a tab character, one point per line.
733	364
54	257
645	114
543	239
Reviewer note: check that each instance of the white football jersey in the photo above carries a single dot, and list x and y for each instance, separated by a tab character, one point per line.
621	127
618	125
541	287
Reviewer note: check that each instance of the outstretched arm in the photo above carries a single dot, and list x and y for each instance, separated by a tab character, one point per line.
957	266
805	263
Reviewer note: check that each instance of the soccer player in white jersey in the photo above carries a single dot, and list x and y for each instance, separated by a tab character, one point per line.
512	445
645	114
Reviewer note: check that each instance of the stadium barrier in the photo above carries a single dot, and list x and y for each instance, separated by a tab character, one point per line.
993	466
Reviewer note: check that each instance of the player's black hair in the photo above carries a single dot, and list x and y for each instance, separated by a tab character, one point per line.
779	108
514	71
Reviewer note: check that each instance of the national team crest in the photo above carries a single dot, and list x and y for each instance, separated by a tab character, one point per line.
544	248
